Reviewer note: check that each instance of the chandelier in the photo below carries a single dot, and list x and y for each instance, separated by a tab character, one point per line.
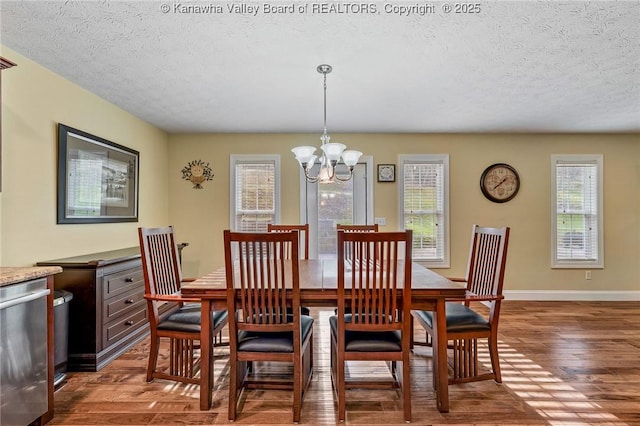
332	152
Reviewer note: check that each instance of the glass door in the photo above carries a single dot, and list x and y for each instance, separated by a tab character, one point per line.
325	205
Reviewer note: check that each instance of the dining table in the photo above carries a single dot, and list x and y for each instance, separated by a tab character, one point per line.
318	288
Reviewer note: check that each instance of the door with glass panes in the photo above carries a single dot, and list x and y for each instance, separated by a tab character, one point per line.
323	205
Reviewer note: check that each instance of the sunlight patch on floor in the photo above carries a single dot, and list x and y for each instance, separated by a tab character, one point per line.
544	392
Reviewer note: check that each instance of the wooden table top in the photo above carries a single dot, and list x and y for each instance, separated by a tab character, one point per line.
319	281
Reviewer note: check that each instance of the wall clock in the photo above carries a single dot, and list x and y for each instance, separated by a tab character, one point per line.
500	182
386	172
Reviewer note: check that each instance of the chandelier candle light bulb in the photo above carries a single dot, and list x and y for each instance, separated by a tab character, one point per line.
332	152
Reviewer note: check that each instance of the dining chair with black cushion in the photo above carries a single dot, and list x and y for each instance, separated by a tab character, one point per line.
467	321
171	316
263	284
374	313
303	246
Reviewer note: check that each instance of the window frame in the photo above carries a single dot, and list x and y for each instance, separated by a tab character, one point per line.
592	159
236	159
428	159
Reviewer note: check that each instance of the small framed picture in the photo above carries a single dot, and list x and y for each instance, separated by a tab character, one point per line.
386	172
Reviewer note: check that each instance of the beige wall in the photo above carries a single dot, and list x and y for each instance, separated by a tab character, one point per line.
34	101
200	216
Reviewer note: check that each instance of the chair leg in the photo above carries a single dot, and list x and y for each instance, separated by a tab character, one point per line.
341	389
310	355
406	388
413	342
411	336
233	389
154	349
217	340
332	368
434	366
238	371
307	365
297	387
338	379
495	360
341	384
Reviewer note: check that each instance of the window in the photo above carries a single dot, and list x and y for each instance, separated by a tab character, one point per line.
576	211
255	192
424	206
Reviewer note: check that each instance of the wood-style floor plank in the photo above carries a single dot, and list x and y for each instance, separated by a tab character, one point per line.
563	363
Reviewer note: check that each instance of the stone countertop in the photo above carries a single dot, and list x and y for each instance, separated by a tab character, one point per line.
12	275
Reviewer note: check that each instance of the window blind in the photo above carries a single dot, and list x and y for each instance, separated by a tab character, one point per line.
577	213
424	208
255	196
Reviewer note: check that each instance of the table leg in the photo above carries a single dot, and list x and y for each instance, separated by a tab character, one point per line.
206	370
440	357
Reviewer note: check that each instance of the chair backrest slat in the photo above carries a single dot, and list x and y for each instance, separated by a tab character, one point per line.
369	284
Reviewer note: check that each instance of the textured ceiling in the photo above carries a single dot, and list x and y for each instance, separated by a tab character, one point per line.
520	66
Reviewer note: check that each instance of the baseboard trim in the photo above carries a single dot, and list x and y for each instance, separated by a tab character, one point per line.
595	296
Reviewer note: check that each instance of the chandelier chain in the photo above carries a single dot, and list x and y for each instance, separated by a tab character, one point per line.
324	72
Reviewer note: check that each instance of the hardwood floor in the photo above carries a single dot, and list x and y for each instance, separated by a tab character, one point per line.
563	363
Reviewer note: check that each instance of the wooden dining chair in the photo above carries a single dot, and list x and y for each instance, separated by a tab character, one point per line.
467	324
303	233
171	316
376	290
263	284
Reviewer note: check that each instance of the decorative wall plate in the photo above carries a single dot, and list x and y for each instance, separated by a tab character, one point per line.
197	171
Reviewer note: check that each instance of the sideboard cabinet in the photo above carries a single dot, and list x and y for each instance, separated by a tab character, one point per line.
108	312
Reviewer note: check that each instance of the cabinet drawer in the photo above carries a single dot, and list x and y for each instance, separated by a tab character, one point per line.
122	305
122	282
121	327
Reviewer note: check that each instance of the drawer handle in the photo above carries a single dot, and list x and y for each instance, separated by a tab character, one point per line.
128	280
129	301
128	322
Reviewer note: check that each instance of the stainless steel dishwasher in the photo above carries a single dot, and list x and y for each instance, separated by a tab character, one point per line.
23	352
